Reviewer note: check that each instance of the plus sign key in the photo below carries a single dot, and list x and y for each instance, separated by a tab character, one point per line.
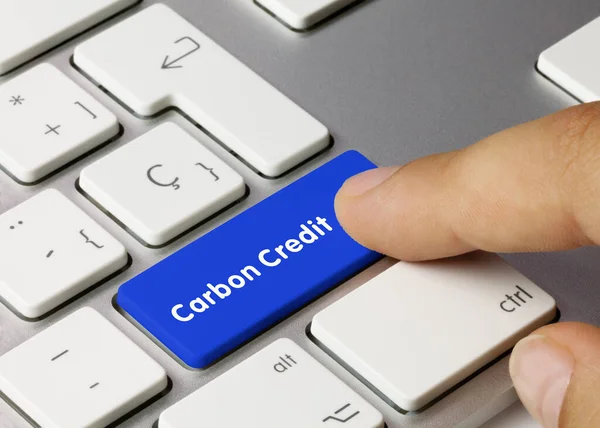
48	122
280	386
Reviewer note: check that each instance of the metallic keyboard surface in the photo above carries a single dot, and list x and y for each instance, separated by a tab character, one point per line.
394	79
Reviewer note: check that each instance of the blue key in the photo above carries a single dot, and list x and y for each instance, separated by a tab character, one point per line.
238	280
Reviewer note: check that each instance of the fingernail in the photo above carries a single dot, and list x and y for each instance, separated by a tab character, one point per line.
367	180
541	370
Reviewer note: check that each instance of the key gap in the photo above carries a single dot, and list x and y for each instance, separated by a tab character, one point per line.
19	410
319	24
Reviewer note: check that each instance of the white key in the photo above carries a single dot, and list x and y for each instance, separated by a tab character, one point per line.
303	14
573	64
156	59
416	330
162	184
31	27
50	251
82	372
47	121
280	386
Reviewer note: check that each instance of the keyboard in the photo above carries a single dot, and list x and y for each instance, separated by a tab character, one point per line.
169	250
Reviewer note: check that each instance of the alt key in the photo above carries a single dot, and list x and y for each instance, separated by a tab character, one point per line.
280	386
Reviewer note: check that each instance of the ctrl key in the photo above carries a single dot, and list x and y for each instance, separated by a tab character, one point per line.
280	386
418	329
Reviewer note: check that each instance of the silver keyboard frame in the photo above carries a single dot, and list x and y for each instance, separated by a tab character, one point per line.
393	79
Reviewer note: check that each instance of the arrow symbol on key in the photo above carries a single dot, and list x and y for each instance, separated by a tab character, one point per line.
166	65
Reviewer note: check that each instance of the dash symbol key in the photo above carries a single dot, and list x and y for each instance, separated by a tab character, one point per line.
100	377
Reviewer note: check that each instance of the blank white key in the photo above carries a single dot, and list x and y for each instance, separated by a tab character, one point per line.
303	14
162	184
573	63
280	386
416	330
50	251
82	372
47	122
31	27
156	59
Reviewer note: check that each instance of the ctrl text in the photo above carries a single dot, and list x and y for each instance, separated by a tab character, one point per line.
516	300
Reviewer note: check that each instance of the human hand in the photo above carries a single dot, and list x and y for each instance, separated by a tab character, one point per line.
534	187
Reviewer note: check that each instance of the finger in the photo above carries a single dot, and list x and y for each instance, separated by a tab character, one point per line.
556	372
535	187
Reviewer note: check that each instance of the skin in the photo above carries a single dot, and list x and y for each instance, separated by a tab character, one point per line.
534	187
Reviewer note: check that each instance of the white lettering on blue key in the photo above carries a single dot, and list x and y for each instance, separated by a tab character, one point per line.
245	276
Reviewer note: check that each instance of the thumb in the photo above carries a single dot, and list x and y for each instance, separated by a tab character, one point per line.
556	372
535	187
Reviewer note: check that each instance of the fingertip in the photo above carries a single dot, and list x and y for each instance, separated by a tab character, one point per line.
398	211
365	181
541	370
556	372
352	208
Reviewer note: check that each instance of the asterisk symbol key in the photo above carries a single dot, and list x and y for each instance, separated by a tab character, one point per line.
16	100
